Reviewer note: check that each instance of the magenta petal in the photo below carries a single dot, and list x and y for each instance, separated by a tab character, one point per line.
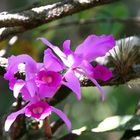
99	88
45	91
73	83
89	72
51	62
17	87
14	61
102	73
74	60
87	67
95	46
30	65
11	69
46	42
12	83
40	66
11	118
54	48
31	87
62	116
25	94
66	47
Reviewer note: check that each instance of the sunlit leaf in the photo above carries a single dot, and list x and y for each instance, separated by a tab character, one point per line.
111	123
121	123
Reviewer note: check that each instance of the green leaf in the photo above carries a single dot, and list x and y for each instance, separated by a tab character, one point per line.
115	123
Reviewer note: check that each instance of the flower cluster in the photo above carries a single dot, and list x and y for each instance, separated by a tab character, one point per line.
43	80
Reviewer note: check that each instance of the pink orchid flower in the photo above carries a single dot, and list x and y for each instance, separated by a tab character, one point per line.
38	110
76	61
39	77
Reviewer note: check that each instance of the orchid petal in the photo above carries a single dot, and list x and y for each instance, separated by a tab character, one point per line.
12	117
73	60
102	73
45	91
12	83
95	46
99	72
17	87
11	69
66	47
87	67
73	83
14	61
51	62
25	94
40	66
54	48
90	71
99	88
31	86
62	116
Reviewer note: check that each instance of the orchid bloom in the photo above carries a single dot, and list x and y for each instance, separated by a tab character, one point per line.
77	61
39	77
38	110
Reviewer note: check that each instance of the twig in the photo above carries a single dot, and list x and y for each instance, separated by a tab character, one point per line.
69	136
135	20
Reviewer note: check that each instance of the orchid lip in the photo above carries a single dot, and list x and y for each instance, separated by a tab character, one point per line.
48	78
37	110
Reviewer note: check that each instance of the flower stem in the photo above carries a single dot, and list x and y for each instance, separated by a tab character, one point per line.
48	131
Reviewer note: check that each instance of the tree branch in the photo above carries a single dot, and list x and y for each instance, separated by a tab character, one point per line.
11	31
35	17
116	80
44	14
